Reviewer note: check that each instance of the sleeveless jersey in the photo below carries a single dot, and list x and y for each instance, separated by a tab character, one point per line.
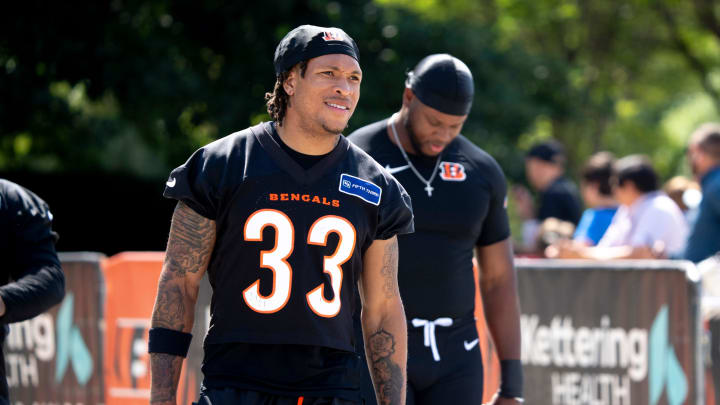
466	209
290	241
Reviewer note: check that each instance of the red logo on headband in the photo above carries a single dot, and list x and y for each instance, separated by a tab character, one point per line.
332	36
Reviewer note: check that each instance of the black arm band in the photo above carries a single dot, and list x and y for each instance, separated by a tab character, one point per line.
511	385
169	341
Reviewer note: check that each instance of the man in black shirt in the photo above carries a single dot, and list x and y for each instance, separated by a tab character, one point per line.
33	280
288	219
558	196
459	196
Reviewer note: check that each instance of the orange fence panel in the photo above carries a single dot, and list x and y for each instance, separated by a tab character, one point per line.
131	280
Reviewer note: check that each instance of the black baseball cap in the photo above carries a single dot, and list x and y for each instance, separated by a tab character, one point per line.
309	41
551	151
443	82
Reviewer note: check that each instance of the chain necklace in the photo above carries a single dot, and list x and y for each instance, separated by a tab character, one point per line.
428	187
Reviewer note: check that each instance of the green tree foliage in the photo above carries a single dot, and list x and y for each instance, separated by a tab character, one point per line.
135	86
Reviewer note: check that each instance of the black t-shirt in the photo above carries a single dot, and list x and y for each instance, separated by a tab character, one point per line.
466	209
287	256
560	200
31	277
305	161
27	248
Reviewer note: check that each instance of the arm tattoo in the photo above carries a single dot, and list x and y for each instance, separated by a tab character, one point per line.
192	238
387	375
169	307
191	242
389	270
166	374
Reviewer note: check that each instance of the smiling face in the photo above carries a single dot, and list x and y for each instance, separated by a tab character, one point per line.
323	100
430	130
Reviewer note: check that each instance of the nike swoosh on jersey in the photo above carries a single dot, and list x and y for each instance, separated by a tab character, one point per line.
170	183
469	345
393	170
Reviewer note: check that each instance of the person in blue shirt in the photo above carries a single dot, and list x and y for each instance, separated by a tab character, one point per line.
704	157
597	193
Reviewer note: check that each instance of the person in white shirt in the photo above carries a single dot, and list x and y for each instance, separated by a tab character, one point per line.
648	223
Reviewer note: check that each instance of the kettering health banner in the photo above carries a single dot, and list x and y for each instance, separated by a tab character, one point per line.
52	358
610	332
92	347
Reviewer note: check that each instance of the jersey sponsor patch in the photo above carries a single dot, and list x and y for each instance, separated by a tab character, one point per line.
360	188
452	171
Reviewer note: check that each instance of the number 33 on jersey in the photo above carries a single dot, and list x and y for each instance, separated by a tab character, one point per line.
290	242
275	260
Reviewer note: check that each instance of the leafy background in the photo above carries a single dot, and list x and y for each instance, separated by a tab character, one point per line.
101	99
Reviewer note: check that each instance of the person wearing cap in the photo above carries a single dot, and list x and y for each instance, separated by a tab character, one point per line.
558	196
291	223
459	201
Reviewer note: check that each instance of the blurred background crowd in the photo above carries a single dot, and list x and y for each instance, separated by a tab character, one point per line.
101	99
628	213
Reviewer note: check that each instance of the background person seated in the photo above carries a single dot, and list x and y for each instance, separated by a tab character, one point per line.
597	193
648	223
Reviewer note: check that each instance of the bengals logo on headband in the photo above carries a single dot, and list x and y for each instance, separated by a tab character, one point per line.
451	171
332	36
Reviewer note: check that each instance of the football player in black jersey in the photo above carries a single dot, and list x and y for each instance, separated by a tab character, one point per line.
291	222
458	194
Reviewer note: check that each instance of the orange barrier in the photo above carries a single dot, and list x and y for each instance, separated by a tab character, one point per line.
131	280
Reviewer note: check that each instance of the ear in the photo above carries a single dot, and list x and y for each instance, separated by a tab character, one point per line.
290	83
408	97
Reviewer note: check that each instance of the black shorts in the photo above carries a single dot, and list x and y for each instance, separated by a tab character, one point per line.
232	396
457	378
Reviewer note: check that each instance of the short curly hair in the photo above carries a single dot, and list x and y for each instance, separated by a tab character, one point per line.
278	101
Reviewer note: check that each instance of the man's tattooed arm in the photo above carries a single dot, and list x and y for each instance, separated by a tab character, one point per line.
190	245
388	376
384	323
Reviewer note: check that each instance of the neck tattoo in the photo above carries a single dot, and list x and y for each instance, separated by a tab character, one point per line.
420	177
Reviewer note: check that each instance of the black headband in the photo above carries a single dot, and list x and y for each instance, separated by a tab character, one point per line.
443	82
308	41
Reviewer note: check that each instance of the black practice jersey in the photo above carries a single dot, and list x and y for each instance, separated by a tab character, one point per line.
466	209
290	241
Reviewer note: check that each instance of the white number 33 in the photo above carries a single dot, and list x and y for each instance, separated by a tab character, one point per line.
276	260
